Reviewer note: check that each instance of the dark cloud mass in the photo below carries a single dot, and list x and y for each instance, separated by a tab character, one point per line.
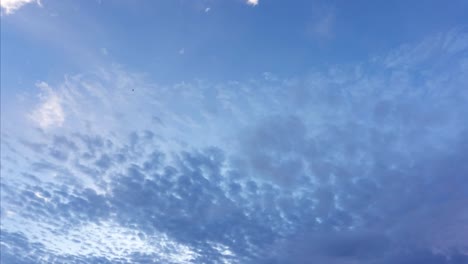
364	165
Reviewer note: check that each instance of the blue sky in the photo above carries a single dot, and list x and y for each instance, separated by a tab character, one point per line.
234	131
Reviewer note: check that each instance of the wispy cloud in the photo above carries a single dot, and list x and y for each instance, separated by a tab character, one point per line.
49	113
10	6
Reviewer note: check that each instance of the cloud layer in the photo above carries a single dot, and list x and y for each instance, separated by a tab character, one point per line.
359	163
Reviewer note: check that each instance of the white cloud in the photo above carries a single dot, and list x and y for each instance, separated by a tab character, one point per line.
11	6
207	10
50	112
252	2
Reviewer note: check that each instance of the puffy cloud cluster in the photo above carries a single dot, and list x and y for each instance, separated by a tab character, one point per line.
358	164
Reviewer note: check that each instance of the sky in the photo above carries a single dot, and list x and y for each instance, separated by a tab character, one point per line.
234	131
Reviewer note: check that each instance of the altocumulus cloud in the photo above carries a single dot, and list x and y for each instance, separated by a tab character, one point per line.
356	164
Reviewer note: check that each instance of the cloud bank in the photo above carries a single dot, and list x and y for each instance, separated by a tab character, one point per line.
358	163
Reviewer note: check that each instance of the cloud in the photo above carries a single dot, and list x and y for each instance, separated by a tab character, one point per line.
50	112
10	6
252	2
306	169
